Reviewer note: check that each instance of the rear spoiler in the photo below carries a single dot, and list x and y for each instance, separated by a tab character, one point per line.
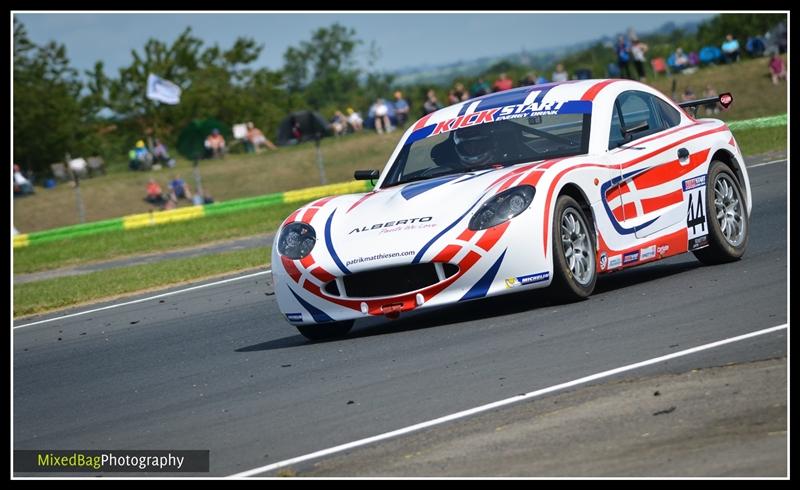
725	100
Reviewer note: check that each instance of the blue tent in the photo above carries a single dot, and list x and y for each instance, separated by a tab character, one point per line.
710	54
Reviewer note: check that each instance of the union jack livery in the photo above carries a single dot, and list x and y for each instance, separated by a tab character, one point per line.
545	186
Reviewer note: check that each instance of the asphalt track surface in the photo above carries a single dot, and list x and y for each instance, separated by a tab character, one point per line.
218	368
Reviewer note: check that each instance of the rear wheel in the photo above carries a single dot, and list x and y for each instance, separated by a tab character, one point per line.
326	331
574	270
728	222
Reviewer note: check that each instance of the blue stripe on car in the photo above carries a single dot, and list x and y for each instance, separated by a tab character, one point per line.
481	287
329	244
318	315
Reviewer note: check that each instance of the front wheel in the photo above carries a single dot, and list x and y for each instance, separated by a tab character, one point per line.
728	222
326	331
574	270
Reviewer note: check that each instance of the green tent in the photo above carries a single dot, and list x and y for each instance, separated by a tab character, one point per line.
191	140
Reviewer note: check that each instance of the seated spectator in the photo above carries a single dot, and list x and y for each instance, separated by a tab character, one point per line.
502	83
730	49
140	158
205	198
560	75
380	112
777	68
681	60
530	79
22	186
155	195
431	104
401	108
179	189
339	123
479	88
215	144
161	155
712	107
460	92
354	120
257	139
451	97
688	95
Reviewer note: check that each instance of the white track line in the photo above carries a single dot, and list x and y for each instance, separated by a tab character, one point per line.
215	283
142	300
501	403
767	163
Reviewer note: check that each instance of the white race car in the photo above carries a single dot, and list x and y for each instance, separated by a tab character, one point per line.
544	186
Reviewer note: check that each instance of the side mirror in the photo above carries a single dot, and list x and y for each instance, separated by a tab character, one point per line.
366	174
642	126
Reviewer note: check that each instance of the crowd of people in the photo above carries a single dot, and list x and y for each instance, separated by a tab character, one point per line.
144	157
177	190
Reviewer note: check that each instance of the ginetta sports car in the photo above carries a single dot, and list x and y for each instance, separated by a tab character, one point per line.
545	186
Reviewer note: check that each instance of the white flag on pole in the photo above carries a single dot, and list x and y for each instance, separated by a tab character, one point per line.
162	90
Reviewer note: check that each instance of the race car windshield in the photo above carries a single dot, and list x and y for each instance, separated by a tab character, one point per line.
488	145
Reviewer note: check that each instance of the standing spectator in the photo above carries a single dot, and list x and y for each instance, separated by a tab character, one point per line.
257	138
638	51
22	186
560	75
777	68
431	104
381	113
215	144
730	49
623	51
401	108
479	88
502	83
354	119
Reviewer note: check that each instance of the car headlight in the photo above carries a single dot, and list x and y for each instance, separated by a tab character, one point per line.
296	240
502	207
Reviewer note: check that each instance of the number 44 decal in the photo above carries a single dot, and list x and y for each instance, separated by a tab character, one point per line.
696	213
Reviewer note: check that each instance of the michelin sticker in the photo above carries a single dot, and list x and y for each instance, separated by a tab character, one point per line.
513	282
294	317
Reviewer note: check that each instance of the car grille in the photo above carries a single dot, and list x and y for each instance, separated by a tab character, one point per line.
390	281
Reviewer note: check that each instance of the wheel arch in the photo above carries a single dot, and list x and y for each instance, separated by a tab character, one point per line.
574	191
733	163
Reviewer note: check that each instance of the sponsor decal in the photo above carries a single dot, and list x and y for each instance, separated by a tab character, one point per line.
662	250
694	183
614	261
359	260
390	224
603	261
698	242
294	317
513	282
630	257
647	252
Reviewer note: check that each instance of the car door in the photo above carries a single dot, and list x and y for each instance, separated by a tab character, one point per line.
648	196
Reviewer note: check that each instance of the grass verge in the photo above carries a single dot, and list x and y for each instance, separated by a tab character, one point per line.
50	294
122	243
754	141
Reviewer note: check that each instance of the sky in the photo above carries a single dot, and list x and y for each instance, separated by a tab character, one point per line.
404	39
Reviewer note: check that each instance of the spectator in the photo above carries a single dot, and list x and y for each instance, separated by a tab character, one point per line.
431	104
155	195
777	68
712	107
381	113
688	94
460	92
215	144
338	123
560	75
502	83
199	200
479	88
530	79
22	186
140	158
681	60
161	155
354	119
401	108
257	138
179	189
451	97
638	51
730	49
623	52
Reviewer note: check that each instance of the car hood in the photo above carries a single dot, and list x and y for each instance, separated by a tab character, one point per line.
394	226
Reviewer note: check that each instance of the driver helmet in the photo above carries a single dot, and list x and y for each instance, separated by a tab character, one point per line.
474	145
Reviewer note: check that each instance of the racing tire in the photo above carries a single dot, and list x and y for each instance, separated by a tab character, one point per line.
727	218
574	252
325	331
